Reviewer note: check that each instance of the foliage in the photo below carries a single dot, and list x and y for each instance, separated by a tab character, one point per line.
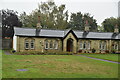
77	21
42	53
51	16
9	21
110	23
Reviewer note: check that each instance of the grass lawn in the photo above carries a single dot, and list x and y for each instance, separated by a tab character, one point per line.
0	64
111	57
56	66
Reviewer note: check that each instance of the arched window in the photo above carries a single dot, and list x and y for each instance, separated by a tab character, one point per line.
104	45
51	45
26	44
116	46
56	45
88	47
81	45
46	44
32	44
100	45
84	45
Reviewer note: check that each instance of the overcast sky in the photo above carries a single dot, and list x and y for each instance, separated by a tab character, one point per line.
100	9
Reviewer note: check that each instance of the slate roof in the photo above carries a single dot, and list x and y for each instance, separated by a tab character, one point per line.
63	33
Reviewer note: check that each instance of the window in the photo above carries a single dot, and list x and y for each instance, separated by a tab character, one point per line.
100	45
51	44
104	45
55	45
46	45
81	45
116	46
32	44
26	44
88	45
84	45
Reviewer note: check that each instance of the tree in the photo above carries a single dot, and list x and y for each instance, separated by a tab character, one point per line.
51	16
77	21
110	23
9	20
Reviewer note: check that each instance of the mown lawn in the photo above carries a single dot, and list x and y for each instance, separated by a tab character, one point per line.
0	64
111	57
56	66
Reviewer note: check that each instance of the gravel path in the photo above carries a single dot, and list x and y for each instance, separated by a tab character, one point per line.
100	59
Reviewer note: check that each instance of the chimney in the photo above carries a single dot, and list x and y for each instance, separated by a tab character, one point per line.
38	27
86	31
87	26
116	30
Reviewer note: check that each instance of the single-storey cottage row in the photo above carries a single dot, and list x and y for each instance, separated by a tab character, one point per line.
31	39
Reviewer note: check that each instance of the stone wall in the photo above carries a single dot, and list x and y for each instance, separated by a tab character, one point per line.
62	44
39	44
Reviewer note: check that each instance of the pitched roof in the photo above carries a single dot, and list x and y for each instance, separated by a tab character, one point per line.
63	33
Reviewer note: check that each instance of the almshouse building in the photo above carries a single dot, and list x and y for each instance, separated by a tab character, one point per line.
28	39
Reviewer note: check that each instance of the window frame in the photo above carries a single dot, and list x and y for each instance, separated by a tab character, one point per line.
81	45
46	43
88	46
51	45
84	45
116	46
32	41
56	46
101	45
26	42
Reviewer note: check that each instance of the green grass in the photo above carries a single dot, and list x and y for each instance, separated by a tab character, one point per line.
111	57
57	66
0	64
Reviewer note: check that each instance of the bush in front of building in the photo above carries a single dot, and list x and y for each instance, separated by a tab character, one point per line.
42	53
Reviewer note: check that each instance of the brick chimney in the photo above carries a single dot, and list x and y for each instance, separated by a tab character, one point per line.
38	27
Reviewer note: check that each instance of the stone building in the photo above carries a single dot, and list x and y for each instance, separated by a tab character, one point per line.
29	39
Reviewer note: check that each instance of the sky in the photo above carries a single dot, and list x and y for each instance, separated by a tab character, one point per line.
100	9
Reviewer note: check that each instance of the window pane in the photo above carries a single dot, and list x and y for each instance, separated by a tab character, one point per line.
100	45
88	45
51	45
26	44
84	46
81	45
46	44
55	45
32	44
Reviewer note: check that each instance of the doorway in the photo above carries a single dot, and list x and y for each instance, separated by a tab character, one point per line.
69	45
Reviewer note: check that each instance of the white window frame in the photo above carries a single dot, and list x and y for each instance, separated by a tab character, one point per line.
56	45
104	45
81	45
116	46
84	45
88	47
100	45
51	44
46	43
26	42
32	42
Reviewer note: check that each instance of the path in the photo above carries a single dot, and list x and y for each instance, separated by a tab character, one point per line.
7	53
99	59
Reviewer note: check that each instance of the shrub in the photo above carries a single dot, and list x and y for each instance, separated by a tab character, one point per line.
43	53
80	51
106	51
